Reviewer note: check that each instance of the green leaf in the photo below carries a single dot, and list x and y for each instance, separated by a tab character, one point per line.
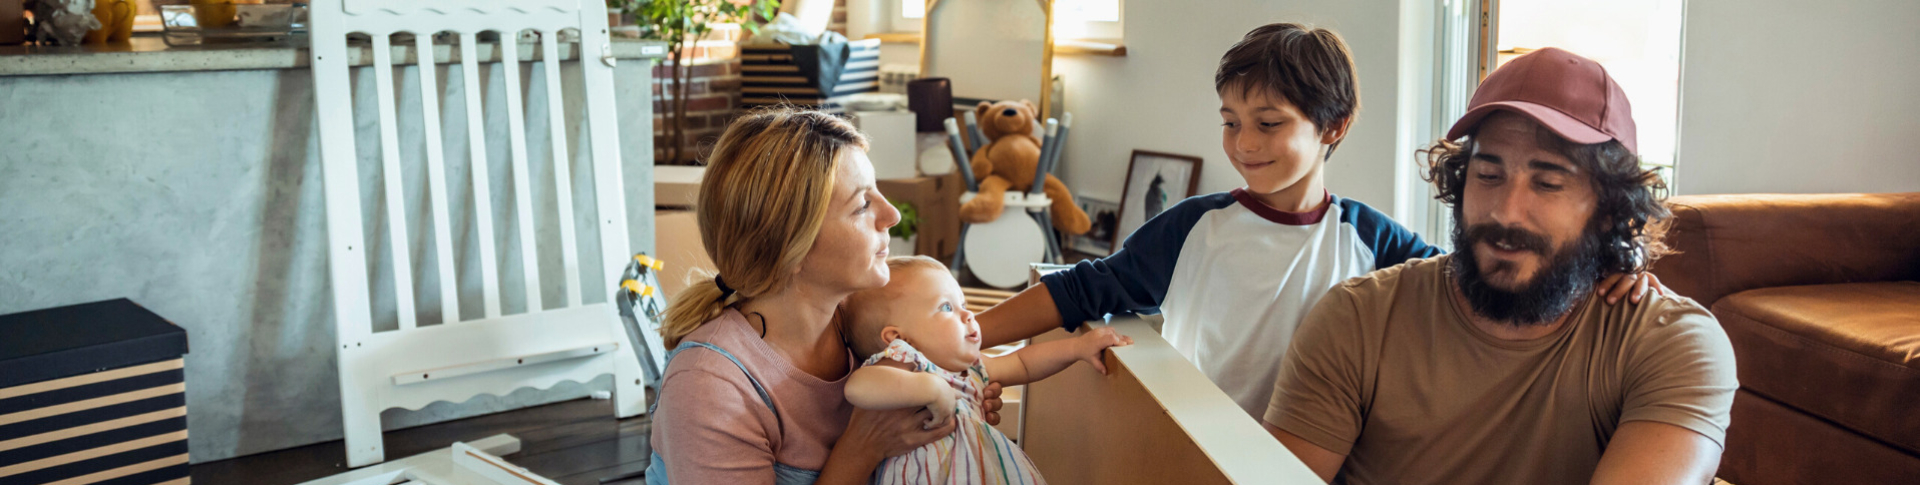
909	220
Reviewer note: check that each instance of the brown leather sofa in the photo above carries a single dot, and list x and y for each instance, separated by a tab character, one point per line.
1820	295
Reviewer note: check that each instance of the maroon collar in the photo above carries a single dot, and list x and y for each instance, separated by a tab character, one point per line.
1278	216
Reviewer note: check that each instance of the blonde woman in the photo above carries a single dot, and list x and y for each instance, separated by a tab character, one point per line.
754	391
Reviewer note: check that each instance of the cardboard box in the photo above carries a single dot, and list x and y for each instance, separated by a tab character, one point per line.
937	199
677	242
677	186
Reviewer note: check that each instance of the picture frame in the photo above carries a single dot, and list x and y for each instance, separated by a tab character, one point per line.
1099	239
1155	181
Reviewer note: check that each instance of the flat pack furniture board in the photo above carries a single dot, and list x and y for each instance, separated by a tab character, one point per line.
476	463
1160	420
92	393
490	353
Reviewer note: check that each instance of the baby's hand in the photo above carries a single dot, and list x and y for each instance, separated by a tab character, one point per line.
1096	341
943	409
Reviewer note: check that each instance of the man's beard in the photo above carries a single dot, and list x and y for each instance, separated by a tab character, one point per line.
1570	273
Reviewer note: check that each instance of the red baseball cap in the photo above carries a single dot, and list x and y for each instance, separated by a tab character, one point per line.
1569	94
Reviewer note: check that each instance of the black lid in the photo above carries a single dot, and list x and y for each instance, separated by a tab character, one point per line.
78	339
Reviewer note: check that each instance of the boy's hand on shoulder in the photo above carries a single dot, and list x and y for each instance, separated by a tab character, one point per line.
1096	341
1633	287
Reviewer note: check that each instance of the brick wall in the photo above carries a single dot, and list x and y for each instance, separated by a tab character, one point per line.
713	96
713	92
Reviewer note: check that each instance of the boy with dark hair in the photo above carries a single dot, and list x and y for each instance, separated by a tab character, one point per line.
1234	272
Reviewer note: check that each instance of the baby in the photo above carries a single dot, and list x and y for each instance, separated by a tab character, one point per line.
925	352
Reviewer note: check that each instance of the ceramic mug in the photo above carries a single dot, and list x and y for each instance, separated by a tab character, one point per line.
116	21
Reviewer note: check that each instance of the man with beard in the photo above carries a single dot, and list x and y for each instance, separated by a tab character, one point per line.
1497	364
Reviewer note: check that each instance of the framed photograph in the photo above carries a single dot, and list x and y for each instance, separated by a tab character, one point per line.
1155	182
1098	241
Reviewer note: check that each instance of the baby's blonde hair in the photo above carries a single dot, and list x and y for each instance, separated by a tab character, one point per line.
865	313
762	202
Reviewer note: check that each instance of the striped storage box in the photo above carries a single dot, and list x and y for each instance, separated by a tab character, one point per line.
92	394
770	76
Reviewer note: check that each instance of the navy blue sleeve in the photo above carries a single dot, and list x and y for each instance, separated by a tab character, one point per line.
1135	278
1391	242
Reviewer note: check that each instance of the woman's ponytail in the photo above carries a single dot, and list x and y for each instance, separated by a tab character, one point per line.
700	302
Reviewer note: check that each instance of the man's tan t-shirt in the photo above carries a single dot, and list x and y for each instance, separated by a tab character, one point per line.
1387	370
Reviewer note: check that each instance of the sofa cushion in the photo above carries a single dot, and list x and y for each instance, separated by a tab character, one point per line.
1849	353
1772	444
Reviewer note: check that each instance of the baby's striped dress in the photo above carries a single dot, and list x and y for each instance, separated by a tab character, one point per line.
974	453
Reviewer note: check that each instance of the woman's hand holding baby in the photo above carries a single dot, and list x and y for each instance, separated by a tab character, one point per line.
944	408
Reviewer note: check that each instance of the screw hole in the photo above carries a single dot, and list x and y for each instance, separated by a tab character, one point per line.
520	361
423	376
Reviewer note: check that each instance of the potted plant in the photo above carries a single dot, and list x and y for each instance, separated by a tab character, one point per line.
681	23
904	234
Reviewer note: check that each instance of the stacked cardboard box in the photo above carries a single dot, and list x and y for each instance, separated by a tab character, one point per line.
769	77
92	393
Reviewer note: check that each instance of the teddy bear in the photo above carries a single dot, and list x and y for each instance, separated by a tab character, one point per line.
1008	161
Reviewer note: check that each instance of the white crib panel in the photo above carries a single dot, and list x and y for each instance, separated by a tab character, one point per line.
494	354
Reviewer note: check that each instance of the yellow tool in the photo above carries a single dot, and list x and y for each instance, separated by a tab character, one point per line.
648	261
637	288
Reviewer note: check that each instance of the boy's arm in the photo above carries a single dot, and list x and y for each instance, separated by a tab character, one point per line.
883	386
1043	360
1134	278
1390	242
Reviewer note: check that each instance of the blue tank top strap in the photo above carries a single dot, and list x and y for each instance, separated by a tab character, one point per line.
757	387
782	474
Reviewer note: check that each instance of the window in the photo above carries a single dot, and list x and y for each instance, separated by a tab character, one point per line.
1637	41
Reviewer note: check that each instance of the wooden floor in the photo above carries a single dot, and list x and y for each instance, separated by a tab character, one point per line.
574	443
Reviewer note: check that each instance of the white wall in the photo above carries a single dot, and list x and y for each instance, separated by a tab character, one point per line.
1160	96
1800	97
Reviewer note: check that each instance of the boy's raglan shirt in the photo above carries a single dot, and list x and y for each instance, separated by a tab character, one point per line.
1234	278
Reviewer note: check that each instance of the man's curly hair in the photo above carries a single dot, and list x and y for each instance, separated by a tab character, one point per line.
1629	215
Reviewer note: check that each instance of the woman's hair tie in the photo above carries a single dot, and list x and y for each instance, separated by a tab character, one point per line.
725	292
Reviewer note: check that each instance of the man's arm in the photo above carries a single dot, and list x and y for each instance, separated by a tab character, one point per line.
1323	463
1654	453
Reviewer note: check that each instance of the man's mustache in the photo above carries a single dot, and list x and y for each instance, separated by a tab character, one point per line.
1521	239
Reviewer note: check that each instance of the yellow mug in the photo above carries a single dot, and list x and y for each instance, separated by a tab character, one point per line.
217	14
116	21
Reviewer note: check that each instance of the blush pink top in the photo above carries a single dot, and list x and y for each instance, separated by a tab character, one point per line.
712	427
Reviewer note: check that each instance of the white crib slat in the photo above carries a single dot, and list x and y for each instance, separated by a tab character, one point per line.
437	176
562	177
390	172
482	185
522	186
